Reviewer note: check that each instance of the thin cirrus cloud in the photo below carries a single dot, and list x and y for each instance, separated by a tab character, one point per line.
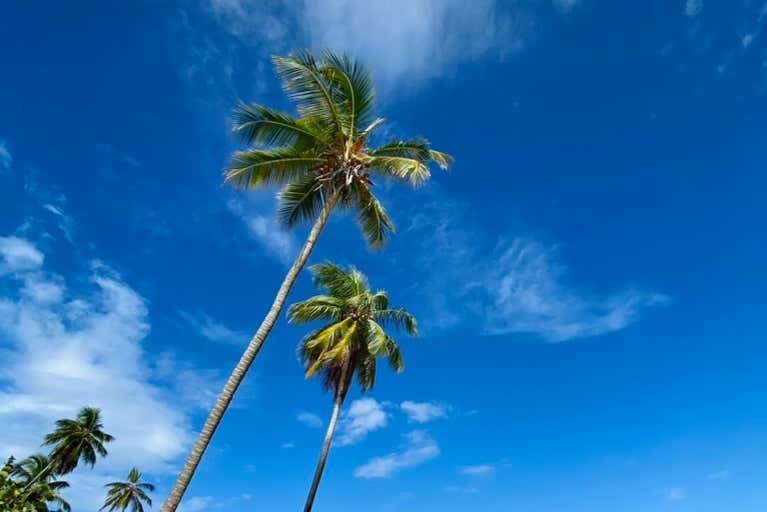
6	159
259	220
478	470
310	419
516	286
418	448
213	330
423	412
56	360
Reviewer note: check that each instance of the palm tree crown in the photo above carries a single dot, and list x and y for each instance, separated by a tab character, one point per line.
324	154
132	493
40	486
80	439
355	336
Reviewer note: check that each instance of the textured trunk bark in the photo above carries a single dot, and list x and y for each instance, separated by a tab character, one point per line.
338	402
238	374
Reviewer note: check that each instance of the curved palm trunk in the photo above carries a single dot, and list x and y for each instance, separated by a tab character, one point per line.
338	402
238	374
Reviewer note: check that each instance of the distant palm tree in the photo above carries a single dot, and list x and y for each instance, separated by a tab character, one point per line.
72	441
122	495
323	159
350	343
40	484
81	439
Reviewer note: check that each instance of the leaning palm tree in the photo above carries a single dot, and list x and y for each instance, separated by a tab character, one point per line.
80	439
132	493
350	343
323	159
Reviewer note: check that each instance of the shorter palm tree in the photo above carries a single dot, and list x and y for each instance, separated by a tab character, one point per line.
132	493
350	344
41	487
81	439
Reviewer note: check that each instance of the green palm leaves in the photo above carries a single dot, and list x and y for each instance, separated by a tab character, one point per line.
355	336
324	154
130	494
81	439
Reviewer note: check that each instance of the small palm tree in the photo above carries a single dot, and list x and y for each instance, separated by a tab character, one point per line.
40	484
350	343
132	493
322	159
72	441
81	439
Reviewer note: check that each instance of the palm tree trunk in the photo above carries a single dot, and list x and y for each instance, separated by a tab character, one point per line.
238	374
338	402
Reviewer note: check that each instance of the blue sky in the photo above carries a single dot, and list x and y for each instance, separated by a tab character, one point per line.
589	277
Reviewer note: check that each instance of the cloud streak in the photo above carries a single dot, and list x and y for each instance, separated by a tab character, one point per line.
419	448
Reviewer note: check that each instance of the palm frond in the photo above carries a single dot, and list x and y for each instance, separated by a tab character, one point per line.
257	124
352	90
334	279
371	216
320	307
300	201
403	168
255	168
417	149
398	318
303	81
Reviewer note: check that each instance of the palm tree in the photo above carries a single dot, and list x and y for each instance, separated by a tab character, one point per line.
81	439
322	159
74	440
122	495
40	484
350	343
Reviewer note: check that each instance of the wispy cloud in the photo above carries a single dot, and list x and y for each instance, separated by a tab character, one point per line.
66	347
676	494
516	286
693	8
419	447
719	475
263	227
6	159
363	416
565	5
478	470
423	412
196	504
212	329
310	419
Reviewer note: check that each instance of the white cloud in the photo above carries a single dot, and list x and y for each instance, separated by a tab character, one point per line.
460	489
196	504
6	159
423	412
429	39
676	494
213	330
363	416
289	444
693	7
65	348
263	228
18	254
505	287
419	448
528	295
478	470
719	475
748	39
565	5
310	419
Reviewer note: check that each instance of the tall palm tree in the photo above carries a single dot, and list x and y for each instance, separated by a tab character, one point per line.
132	493
322	159
40	484
350	343
80	439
